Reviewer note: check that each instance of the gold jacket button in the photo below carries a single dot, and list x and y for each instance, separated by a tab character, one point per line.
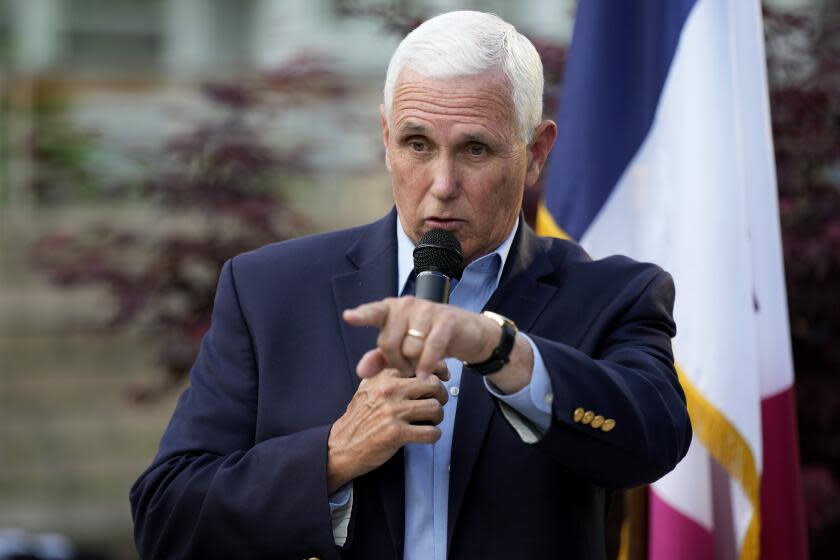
609	424
578	414
597	422
587	417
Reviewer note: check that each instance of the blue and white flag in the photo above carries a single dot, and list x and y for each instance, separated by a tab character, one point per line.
665	154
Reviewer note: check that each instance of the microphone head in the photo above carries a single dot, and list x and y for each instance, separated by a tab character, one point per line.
440	251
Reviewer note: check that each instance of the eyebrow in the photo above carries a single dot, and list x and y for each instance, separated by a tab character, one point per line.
481	138
413	128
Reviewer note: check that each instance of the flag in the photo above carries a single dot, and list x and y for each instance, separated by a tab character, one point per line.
665	154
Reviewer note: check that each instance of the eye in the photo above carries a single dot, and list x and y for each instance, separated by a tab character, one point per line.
417	145
477	149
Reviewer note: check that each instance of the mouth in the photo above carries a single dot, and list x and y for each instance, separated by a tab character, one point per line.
449	224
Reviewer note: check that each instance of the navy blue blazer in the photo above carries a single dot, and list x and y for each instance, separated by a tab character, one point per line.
241	470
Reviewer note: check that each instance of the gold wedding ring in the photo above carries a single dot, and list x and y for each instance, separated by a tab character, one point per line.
419	335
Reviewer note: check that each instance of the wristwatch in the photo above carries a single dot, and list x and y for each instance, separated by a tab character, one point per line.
501	354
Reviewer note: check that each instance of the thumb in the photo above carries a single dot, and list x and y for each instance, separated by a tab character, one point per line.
371	364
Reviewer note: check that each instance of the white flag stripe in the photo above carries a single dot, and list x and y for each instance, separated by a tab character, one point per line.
775	363
742	511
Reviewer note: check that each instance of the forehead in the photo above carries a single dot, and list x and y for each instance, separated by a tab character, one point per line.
482	101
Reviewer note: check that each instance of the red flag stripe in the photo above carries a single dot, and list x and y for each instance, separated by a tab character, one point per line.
782	512
673	535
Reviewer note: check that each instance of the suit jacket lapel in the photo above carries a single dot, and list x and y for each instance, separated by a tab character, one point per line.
520	297
374	256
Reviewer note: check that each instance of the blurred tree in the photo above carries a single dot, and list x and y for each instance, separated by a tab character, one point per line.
218	187
803	58
61	152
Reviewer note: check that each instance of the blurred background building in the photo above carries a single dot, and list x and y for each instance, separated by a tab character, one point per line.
127	129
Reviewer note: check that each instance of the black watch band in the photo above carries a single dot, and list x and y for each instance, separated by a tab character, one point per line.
501	354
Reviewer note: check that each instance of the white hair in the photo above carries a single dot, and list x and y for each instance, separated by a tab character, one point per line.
466	43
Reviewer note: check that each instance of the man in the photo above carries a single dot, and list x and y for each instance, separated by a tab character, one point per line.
306	433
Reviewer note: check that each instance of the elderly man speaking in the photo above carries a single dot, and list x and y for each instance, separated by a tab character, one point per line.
332	414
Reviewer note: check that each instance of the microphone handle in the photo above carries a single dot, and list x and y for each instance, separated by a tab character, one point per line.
433	286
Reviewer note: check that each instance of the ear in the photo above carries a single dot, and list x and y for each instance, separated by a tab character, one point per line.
544	136
383	122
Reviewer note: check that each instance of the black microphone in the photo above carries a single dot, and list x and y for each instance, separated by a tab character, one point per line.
437	259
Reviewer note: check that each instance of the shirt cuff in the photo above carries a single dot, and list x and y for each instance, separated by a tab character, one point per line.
341	497
534	400
341	507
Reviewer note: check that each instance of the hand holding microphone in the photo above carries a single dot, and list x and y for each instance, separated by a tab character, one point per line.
392	407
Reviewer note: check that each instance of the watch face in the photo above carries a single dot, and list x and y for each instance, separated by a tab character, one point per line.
500	319
495	316
501	354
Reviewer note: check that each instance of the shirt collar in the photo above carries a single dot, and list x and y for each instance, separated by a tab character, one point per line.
405	256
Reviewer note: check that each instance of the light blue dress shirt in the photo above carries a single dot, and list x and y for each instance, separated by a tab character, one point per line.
427	466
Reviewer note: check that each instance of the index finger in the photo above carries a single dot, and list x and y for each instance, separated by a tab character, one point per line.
373	314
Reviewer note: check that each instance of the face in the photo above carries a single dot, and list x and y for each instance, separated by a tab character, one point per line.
456	159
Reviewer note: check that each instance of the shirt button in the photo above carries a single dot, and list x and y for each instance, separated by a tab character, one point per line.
454	390
549	398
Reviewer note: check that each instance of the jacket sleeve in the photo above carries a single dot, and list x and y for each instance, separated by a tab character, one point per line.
629	381
213	491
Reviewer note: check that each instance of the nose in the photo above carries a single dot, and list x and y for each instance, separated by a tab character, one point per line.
445	184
